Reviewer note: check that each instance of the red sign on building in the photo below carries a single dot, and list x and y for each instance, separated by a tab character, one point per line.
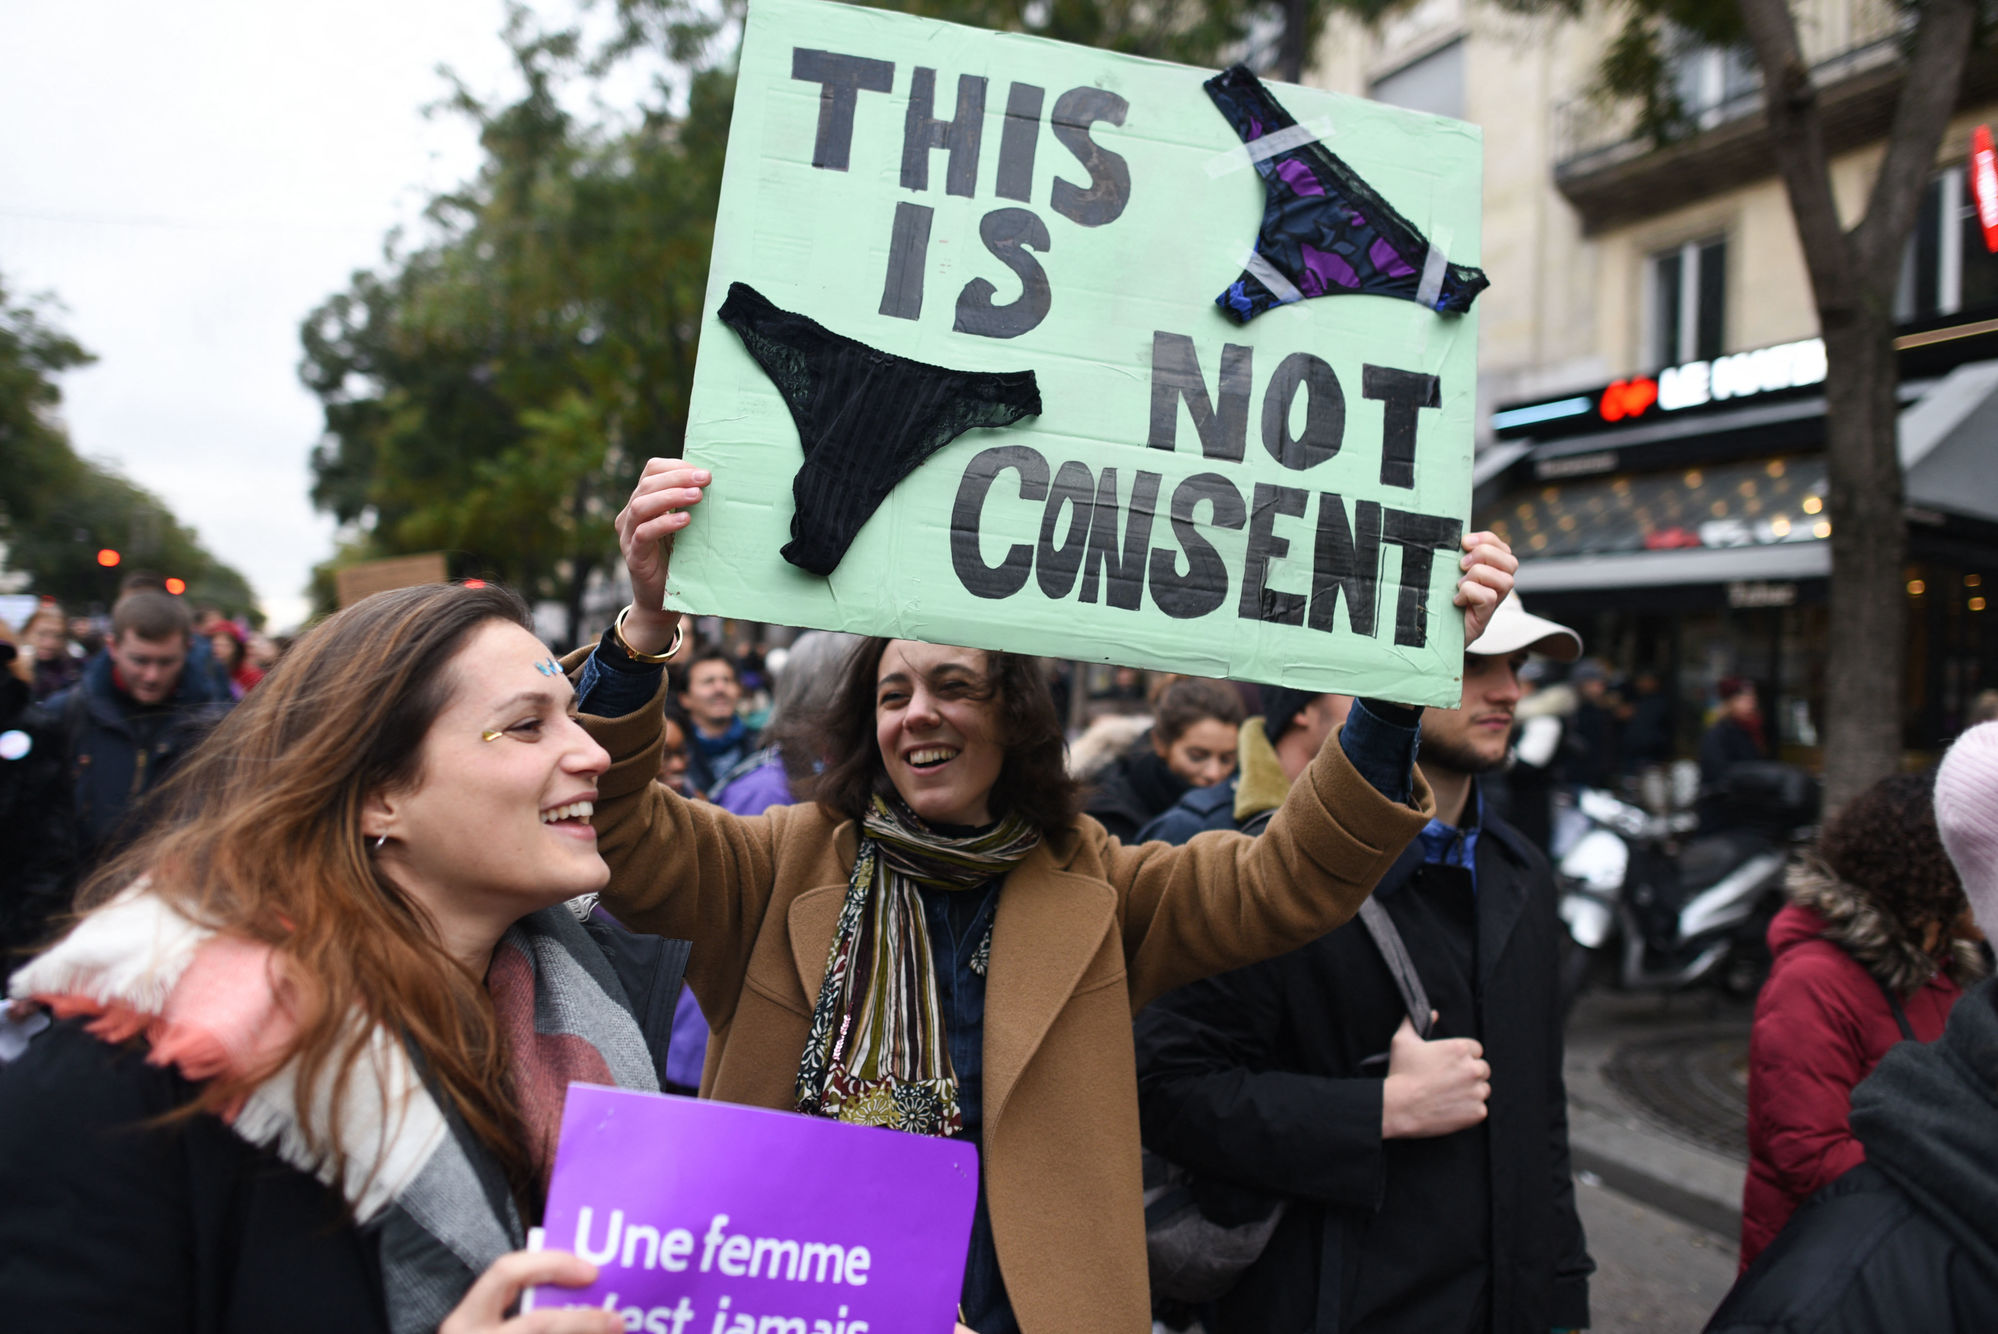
1984	184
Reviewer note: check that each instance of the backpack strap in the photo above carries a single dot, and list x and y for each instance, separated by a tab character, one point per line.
1894	1004
1388	941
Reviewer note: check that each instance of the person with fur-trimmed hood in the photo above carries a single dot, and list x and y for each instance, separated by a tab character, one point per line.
1875	946
1904	1241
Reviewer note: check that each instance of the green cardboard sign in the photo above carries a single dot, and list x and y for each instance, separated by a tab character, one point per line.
1194	495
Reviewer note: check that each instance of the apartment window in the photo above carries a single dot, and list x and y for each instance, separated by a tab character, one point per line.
1688	295
1434	83
1712	83
1946	269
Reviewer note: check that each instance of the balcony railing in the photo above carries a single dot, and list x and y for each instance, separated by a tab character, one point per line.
1717	88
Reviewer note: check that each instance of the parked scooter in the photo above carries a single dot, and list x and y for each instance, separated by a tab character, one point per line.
1653	904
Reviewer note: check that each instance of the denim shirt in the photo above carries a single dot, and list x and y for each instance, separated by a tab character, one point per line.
1456	845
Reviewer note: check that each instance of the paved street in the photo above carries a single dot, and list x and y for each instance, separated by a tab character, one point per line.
1654	1273
1656	1099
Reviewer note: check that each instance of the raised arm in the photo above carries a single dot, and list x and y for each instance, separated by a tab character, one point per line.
678	868
1224	899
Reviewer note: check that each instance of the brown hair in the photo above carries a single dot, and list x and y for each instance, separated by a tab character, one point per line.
1194	699
46	609
17	666
151	616
259	835
1033	782
1884	843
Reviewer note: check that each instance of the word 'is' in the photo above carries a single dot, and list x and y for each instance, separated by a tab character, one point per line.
1011	234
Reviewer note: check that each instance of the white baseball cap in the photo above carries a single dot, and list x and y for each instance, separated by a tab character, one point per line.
1513	628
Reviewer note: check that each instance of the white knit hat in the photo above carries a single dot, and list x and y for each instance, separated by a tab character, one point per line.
1967	817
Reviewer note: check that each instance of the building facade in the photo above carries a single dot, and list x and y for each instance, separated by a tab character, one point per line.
1650	402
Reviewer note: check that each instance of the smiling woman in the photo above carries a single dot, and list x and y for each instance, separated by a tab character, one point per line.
361	995
939	943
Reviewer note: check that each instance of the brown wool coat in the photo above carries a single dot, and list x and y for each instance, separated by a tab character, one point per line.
1087	932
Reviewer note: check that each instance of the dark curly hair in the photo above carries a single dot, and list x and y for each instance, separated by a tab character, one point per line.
1884	844
1033	782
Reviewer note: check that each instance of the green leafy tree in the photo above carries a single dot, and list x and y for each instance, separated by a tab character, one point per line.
494	393
58	510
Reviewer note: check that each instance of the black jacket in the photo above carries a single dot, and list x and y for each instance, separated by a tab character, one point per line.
1908	1240
120	750
112	1223
37	828
1136	788
1263	1079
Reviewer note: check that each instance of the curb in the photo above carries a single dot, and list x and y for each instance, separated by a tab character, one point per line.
1628	1151
1695	1186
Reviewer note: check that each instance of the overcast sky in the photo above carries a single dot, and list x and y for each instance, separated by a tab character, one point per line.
190	180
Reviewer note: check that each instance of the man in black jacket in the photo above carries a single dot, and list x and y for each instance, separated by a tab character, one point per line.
1908	1240
37	831
131	718
1438	1197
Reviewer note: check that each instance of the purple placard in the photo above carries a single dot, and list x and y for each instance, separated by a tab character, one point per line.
689	1208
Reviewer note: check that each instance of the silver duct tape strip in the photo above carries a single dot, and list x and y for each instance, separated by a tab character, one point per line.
1265	273
1431	286
1278	141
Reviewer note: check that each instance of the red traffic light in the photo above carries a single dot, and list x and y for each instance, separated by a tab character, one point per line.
176	586
475	583
108	558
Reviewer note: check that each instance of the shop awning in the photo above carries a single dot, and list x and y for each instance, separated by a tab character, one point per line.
1660	569
1949	443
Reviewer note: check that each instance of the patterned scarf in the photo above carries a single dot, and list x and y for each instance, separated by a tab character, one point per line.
211	1004
876	1054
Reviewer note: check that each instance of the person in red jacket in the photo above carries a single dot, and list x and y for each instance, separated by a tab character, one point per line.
1875	945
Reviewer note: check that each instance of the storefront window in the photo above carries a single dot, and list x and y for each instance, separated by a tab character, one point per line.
1752	503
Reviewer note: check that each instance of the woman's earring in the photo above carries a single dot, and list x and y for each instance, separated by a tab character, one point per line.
376	844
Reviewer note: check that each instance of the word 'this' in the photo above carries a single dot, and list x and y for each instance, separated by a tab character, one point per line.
1011	234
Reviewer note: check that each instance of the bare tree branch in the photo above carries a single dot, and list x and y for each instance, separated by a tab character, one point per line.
1929	95
1796	134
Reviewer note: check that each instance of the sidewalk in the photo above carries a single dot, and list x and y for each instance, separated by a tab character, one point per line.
1657	1102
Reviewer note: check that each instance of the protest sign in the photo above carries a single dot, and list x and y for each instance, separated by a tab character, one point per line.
1146	478
709	1218
354	582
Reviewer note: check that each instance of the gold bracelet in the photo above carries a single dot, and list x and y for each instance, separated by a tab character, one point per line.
617	633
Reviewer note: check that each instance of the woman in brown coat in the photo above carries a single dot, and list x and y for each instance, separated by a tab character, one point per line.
941	943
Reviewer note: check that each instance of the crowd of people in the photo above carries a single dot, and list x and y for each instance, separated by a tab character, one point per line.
99	713
420	862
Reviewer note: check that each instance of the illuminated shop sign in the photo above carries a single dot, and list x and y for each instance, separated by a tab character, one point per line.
1984	185
1742	375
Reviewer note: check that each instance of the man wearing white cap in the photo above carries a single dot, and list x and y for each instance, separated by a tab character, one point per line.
1423	1161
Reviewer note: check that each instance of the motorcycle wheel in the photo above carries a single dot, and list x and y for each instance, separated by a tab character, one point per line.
1746	969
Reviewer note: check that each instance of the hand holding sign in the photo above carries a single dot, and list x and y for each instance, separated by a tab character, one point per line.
659	508
1488	569
485	1305
707	1218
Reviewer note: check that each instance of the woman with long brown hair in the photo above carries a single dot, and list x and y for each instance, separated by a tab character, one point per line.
942	943
313	1033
